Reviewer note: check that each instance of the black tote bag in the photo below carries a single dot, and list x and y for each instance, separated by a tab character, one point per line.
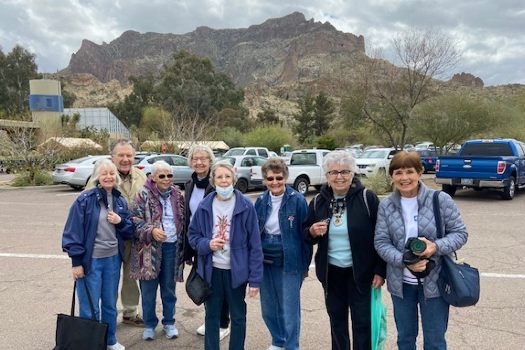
197	288
75	333
458	283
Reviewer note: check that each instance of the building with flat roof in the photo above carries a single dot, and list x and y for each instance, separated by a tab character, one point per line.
100	118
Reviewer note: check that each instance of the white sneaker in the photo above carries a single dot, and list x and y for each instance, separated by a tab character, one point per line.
223	333
201	330
116	346
273	347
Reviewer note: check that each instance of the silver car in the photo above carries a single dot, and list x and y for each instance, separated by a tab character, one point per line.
76	173
179	164
248	169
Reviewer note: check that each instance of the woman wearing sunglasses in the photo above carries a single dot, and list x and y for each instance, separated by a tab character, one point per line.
281	211
156	256
341	221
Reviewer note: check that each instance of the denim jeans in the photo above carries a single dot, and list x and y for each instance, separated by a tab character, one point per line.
221	285
281	304
342	294
434	319
102	281
166	280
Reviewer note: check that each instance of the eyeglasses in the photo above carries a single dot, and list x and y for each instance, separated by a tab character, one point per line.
163	176
343	173
202	159
271	178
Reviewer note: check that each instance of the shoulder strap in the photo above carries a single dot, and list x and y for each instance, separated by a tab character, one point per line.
437	214
366	202
315	203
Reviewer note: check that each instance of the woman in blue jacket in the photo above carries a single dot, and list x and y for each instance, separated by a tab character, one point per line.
281	212
93	236
225	235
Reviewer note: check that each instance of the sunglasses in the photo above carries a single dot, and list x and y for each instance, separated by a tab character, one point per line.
163	176
271	178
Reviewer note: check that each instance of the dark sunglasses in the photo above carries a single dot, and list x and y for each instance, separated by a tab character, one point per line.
271	178
162	176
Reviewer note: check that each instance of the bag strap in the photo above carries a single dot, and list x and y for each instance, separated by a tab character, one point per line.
88	297
437	214
366	202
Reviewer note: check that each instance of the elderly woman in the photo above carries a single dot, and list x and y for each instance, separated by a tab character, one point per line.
156	255
408	214
281	211
225	234
200	159
97	224
341	220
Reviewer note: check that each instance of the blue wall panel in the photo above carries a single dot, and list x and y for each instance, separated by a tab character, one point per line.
51	103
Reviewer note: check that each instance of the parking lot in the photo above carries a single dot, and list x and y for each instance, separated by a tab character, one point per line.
35	281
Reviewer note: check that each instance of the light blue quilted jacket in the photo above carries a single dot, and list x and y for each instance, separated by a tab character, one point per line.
390	236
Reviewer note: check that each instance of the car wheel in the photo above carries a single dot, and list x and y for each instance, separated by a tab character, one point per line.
449	189
242	185
510	189
301	185
76	187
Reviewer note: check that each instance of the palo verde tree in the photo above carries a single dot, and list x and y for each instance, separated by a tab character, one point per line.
385	95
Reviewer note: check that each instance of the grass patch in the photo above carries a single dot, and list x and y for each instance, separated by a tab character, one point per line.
40	178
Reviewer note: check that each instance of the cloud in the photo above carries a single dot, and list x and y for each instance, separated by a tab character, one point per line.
489	33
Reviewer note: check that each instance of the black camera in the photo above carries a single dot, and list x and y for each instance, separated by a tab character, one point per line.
415	246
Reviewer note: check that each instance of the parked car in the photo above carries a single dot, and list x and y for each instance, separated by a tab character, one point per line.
306	169
374	161
181	170
484	163
272	154
247	151
286	156
248	170
424	145
428	159
77	172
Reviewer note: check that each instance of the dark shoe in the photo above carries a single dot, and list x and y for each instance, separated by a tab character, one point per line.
133	320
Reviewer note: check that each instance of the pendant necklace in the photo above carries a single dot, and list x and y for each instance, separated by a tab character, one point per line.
338	209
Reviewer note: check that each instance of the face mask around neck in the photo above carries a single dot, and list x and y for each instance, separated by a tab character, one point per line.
224	192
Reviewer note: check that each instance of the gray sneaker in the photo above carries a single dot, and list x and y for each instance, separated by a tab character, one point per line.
171	331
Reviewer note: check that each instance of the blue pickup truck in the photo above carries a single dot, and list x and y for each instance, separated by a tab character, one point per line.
484	163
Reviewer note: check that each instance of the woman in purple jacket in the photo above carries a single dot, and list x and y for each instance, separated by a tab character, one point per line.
224	233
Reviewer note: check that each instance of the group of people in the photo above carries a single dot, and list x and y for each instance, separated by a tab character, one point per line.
245	249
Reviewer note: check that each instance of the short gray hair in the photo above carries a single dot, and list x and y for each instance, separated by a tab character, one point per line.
222	164
101	164
339	157
201	148
160	165
121	142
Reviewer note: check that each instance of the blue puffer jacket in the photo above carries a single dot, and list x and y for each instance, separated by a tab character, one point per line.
245	241
80	231
390	236
297	252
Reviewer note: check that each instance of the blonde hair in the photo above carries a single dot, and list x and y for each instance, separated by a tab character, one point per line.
101	164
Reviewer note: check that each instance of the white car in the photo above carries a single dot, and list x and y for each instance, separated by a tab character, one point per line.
76	173
179	165
248	170
375	161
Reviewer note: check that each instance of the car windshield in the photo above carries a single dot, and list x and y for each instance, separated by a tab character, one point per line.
229	159
138	159
235	152
374	154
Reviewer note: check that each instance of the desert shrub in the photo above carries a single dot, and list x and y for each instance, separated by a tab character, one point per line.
379	183
26	178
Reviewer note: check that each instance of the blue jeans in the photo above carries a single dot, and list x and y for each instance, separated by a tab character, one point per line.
434	319
102	281
221	285
166	280
281	304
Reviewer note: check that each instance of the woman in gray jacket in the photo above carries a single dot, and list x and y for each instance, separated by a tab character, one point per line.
406	238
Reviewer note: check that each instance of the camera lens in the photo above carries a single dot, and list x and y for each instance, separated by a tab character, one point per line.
417	246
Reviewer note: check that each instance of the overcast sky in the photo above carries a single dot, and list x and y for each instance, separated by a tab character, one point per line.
490	33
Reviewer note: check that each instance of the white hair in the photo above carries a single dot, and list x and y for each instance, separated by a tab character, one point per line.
339	157
100	165
160	165
222	164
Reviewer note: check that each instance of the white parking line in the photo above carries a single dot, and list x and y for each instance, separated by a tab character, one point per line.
33	256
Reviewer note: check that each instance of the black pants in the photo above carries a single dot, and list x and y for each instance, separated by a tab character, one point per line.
225	314
342	294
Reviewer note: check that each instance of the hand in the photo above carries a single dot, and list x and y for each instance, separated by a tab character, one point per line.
318	229
420	266
158	234
378	281
430	250
77	272
114	218
217	244
252	292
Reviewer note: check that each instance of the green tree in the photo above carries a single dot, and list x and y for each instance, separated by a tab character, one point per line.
231	136
326	142
305	119
267	116
130	110
322	114
272	137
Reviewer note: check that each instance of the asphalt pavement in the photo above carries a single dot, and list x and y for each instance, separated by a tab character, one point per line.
35	281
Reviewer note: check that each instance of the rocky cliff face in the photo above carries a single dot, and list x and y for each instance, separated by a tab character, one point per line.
277	51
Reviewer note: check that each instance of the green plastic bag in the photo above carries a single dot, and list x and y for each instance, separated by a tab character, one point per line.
378	310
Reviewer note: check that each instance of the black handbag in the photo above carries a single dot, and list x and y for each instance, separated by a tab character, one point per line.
458	283
75	333
196	287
